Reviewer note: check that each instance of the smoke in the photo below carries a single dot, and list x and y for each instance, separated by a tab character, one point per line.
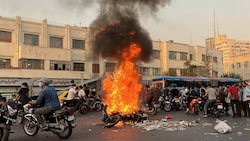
120	27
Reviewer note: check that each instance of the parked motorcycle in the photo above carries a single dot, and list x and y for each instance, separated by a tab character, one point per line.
194	106
164	103
248	100
6	120
175	103
76	105
114	118
60	122
215	108
94	103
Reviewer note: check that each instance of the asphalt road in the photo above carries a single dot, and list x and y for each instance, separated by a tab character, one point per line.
89	128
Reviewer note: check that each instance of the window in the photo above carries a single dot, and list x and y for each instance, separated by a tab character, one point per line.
56	42
78	67
156	54
31	39
4	63
156	71
110	67
183	72
172	72
183	56
190	56
172	55
215	59
95	68
214	74
31	64
5	36
232	66
238	65
203	57
246	64
78	44
59	65
144	71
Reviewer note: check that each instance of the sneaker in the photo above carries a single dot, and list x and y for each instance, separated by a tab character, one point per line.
205	116
187	111
44	127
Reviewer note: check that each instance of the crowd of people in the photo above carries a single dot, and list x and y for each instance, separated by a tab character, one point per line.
233	97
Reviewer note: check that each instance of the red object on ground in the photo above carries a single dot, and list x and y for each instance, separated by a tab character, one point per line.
169	116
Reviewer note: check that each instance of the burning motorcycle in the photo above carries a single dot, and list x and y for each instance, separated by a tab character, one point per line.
111	120
60	122
6	120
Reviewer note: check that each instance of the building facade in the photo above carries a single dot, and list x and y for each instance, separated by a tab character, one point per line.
34	49
233	52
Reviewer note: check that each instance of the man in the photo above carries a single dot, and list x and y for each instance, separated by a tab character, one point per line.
81	93
234	95
72	92
23	94
246	94
211	97
155	94
47	100
222	96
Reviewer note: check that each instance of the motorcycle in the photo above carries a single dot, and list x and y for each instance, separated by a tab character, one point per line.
60	122
94	103
248	100
6	120
215	108
76	105
194	106
114	118
175	103
164	103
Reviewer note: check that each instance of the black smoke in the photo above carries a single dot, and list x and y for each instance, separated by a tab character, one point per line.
119	25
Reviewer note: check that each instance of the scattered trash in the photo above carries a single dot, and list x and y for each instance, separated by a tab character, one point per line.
207	124
169	116
248	129
90	130
239	133
222	126
165	125
214	134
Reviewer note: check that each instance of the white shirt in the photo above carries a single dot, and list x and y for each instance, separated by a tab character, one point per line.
81	93
71	94
246	92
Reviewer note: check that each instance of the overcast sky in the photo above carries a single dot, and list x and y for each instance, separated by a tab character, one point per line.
184	21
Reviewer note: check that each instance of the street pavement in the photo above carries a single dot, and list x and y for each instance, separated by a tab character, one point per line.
89	128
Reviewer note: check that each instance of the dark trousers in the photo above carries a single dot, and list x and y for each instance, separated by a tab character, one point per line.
237	105
247	112
39	112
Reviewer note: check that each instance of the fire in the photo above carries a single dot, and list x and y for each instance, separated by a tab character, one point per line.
123	87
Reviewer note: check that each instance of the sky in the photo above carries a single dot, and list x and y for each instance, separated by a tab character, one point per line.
184	21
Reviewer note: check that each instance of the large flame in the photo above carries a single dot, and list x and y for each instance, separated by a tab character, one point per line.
123	87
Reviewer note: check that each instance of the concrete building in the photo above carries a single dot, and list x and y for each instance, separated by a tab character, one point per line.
34	49
232	50
176	54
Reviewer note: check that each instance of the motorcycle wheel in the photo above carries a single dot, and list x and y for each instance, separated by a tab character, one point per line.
5	133
153	110
217	114
66	131
196	109
30	126
83	109
167	107
98	106
112	121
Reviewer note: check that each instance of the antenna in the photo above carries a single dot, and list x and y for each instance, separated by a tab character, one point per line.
214	24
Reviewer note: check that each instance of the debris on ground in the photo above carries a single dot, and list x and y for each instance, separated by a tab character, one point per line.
222	127
165	125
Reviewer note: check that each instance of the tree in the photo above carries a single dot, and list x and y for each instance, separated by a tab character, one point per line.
232	75
188	69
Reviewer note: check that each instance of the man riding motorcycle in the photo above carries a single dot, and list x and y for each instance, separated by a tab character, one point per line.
211	94
47	100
